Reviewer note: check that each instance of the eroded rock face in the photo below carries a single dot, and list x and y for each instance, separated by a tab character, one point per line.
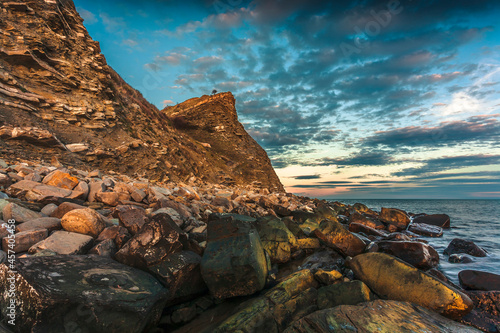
90	293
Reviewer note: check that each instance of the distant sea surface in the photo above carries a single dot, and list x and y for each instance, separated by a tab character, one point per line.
475	220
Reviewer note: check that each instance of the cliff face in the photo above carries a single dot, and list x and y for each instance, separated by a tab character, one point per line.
213	121
58	97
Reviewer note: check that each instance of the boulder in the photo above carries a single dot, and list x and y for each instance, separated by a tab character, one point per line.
18	213
377	316
439	220
64	208
458	245
396	217
157	239
117	233
426	229
95	187
359	227
417	254
361	209
391	278
478	280
60	179
132	218
367	220
327	277
84	221
64	242
345	293
109	198
276	239
333	234
49	223
486	313
234	262
105	248
94	293
49	209
460	259
24	240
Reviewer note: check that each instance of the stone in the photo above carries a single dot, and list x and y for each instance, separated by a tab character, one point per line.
180	273
276	239
64	208
137	195
391	278
395	217
84	188
360	208
84	221
61	179
358	227
132	218
108	198
337	237
308	243
64	242
417	254
478	280
47	210
24	240
174	214
426	229
327	277
367	220
18	213
234	262
460	259
157	239
90	292
486	313
325	259
118	234
439	220
458	245
49	223
382	316
5	181
95	187
77	147
105	248
33	191
345	293
3	257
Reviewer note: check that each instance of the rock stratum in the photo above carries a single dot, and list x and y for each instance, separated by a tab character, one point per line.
59	98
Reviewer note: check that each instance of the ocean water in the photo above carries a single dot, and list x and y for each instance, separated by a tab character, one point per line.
475	220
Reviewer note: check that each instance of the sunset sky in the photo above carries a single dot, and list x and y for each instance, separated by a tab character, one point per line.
351	99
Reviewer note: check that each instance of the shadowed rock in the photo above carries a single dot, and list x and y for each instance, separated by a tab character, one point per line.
477	280
458	245
336	236
440	220
417	254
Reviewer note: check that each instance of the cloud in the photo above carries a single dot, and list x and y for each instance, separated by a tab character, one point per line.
167	102
87	16
306	177
364	158
112	24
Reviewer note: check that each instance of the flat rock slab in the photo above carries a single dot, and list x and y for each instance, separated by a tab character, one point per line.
426	229
64	242
33	191
84	294
24	240
49	223
378	316
440	220
19	213
478	280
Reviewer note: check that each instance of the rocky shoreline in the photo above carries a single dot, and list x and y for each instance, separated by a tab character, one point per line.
105	252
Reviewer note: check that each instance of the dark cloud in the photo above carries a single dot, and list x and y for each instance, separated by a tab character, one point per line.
371	158
306	177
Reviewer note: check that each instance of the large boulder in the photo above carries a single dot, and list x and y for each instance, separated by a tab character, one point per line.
426	229
64	242
391	278
345	293
336	236
417	254
395	217
84	221
369	231
367	220
458	245
82	293
478	280
132	218
379	316
157	239
440	220
276	239
234	262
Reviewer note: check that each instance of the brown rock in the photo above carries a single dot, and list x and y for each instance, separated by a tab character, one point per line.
367	220
426	229
95	187
137	195
18	213
105	248
64	242
61	179
417	254
108	198
49	223
64	208
132	218
336	236
486	312
396	217
84	221
458	245
84	188
358	227
118	234
478	280
440	220
24	240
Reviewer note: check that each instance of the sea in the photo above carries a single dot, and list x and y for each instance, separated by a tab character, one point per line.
475	220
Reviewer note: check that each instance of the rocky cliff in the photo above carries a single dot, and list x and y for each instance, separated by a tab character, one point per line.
58	97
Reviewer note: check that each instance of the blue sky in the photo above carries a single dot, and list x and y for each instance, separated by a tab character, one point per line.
351	99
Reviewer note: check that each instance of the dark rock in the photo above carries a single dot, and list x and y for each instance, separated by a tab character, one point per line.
105	248
325	259
337	237
486	313
440	220
426	229
345	293
460	259
367	220
18	213
157	239
117	233
234	263
68	293
24	240
359	227
132	218
64	242
458	245
276	239
395	217
478	280
49	223
49	209
417	254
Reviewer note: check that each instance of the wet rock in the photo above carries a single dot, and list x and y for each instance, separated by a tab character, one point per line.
377	316
345	293
24	240
234	263
61	179
49	223
395	217
360	209
64	242
392	278
367	220
18	213
105	248
64	208
325	259
84	221
327	277
417	254
90	292
308	243
180	273
486	313
358	227
276	239
117	233
336	236
157	239
426	229
478	280
460	259
440	220
132	218
458	245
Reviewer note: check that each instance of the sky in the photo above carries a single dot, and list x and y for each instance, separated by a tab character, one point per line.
350	99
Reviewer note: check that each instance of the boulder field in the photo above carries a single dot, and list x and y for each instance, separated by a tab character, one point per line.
104	252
